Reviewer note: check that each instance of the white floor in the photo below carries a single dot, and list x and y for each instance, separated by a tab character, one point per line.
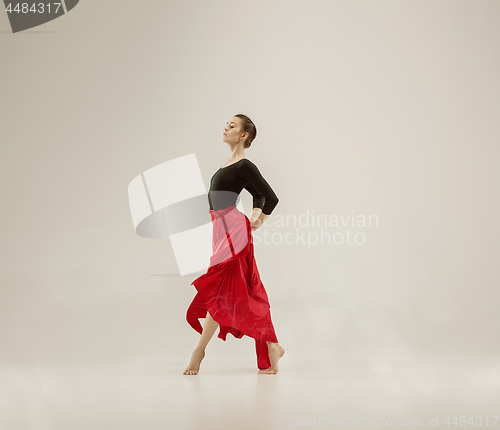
155	395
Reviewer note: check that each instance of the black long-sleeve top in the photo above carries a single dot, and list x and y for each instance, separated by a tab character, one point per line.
226	185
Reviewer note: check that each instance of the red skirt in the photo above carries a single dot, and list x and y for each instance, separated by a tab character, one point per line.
231	290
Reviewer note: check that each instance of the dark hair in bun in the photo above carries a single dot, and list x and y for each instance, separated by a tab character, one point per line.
248	126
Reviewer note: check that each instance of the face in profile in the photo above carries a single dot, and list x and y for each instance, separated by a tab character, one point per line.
232	130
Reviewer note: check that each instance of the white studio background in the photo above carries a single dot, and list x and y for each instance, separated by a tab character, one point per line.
385	108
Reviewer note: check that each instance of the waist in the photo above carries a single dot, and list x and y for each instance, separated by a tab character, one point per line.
221	212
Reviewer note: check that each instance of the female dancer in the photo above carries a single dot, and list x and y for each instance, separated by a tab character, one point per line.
231	294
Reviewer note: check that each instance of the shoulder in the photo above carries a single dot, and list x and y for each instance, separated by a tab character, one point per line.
247	164
247	169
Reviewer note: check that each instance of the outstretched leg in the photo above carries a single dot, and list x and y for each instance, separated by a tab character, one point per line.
276	351
209	327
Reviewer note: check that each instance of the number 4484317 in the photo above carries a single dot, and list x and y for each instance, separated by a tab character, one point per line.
473	421
35	8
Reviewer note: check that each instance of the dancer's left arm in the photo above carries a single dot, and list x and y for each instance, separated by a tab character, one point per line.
257	218
265	199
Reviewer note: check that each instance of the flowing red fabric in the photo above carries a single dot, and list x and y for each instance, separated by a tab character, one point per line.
232	290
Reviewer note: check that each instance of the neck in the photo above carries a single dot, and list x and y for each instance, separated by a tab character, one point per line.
236	153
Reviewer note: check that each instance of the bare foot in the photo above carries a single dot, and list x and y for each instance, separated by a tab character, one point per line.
194	365
276	351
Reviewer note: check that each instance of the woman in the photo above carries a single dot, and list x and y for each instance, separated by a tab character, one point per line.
231	295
